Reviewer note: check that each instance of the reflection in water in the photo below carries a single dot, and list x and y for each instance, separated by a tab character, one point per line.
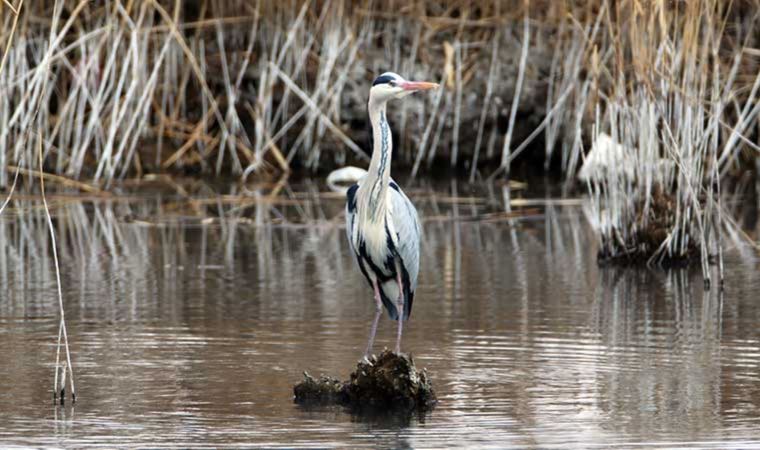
667	341
191	319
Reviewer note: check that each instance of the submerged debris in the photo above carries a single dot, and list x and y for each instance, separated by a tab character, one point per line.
385	382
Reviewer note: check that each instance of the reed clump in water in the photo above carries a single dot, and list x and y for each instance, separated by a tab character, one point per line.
672	100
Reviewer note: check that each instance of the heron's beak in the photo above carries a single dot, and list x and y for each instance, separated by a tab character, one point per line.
418	86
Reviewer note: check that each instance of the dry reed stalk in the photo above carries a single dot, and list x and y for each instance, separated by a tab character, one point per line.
10	191
13	30
506	149
62	323
2	64
63	181
322	117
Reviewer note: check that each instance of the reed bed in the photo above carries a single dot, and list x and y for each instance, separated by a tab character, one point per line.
222	87
673	96
123	89
225	87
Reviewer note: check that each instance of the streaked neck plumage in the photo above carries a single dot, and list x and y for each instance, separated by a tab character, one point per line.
374	189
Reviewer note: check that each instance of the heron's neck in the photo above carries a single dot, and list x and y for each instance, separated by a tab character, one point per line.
382	144
379	173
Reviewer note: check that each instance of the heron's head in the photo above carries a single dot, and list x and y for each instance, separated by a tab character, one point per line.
390	85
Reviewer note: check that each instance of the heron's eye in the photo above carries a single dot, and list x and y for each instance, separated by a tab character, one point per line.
392	83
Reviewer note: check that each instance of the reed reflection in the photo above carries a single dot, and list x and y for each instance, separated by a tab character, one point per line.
213	305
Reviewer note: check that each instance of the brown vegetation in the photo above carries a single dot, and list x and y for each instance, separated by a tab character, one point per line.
126	88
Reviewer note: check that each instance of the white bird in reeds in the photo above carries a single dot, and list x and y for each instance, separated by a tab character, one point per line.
610	160
381	223
606	158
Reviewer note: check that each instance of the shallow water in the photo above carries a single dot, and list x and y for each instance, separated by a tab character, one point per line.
190	331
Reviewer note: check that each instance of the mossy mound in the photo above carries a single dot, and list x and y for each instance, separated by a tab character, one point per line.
386	382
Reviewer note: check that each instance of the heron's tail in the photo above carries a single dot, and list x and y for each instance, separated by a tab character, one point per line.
340	180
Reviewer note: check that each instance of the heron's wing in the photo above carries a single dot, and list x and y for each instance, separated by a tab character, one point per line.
407	227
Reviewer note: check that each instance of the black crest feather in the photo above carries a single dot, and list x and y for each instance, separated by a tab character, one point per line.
382	79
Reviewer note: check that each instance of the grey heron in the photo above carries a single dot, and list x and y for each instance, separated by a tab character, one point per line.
382	226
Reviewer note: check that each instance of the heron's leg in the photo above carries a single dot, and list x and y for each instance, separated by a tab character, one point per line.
378	311
400	312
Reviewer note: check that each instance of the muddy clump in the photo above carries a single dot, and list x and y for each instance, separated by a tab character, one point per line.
386	382
651	227
325	390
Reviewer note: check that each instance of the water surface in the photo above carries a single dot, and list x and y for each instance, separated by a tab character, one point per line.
190	321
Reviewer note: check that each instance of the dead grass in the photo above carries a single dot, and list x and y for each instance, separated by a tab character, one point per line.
263	88
671	95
